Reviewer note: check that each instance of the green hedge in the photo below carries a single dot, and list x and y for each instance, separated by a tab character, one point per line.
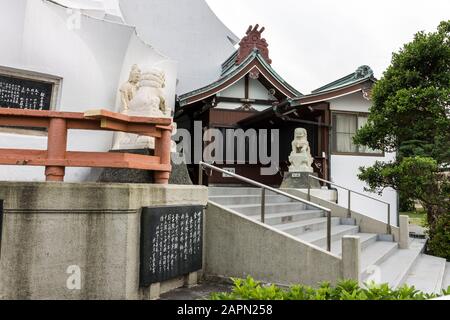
250	289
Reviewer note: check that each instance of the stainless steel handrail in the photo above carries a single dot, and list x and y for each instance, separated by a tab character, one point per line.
263	195
350	191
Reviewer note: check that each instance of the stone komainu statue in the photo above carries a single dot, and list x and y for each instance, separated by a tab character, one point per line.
149	100
300	158
144	98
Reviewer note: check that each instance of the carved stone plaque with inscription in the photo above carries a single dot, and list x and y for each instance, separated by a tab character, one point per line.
21	93
1	224
171	243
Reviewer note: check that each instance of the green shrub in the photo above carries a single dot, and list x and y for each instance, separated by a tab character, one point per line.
250	289
439	237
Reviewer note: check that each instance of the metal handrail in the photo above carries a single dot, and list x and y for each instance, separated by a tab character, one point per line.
263	195
350	191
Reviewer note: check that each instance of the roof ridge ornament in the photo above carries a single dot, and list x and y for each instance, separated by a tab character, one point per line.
363	72
253	41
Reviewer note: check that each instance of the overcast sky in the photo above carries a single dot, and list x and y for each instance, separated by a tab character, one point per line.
313	42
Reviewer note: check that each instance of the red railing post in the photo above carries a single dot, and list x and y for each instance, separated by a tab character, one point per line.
56	147
162	150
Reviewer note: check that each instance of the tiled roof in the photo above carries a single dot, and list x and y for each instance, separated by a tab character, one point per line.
230	69
362	73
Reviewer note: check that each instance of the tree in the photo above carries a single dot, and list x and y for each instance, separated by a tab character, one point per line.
410	115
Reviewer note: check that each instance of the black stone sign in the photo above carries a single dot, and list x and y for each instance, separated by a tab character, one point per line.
1	224
171	243
21	93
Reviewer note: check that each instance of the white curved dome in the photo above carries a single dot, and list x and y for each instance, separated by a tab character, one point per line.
102	9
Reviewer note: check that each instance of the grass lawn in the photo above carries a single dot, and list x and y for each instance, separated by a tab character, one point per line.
416	217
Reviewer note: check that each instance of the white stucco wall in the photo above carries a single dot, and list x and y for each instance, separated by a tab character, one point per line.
237	90
353	102
186	30
344	169
257	90
91	61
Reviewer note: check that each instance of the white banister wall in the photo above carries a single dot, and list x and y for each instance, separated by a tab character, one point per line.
345	168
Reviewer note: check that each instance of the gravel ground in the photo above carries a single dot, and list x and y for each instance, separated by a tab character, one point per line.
199	292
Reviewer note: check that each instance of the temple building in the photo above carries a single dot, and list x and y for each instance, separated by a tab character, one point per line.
250	94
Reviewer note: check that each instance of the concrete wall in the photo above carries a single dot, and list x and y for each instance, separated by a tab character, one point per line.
48	227
345	168
237	246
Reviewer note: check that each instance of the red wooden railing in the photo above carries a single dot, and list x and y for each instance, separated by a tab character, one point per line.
56	158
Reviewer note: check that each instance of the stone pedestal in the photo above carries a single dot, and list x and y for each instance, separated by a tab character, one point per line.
299	180
179	175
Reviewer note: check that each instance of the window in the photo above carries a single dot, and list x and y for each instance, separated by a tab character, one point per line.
345	126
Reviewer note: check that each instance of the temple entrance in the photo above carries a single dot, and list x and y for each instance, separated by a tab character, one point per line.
314	119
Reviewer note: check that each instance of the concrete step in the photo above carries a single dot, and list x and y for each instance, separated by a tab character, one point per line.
247	199
255	208
319	237
365	238
395	269
299	227
376	253
427	274
287	217
446	280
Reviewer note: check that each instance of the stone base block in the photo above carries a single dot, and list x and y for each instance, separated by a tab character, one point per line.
179	175
155	291
299	180
79	241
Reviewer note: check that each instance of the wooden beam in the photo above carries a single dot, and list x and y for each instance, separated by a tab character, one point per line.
82	159
253	101
105	114
247	86
20	157
17	121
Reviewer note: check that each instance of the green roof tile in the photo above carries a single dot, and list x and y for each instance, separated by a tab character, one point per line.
229	69
362	73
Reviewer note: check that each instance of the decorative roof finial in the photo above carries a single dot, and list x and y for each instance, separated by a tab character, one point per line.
251	41
362	72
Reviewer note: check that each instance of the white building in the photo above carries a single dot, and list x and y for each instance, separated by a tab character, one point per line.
85	50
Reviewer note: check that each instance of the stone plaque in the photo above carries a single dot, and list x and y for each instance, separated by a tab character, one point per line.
21	93
171	243
1	224
232	170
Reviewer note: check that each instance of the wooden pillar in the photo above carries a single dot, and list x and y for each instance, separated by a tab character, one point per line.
56	147
162	150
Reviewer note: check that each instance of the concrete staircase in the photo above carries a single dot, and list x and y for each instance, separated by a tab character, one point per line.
381	259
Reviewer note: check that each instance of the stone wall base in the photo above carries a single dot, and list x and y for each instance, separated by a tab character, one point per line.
80	241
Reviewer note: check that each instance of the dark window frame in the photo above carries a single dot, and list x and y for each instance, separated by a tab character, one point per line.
334	135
